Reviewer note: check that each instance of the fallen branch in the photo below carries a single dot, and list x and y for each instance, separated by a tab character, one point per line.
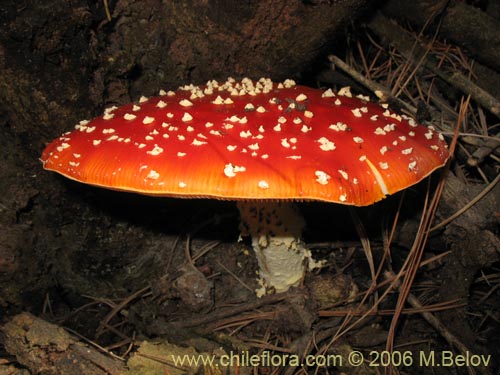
460	22
413	51
46	348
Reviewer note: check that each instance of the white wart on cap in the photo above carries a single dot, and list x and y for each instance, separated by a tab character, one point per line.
251	140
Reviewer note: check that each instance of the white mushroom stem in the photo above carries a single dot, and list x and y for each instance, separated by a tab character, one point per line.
275	229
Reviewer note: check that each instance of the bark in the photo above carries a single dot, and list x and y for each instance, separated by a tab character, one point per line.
63	61
477	31
417	54
48	349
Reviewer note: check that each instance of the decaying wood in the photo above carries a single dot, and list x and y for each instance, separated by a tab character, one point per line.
78	61
415	52
8	369
459	22
47	348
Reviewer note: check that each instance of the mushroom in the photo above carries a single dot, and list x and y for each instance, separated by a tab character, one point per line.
261	143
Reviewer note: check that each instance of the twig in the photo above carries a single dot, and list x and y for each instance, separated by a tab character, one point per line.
483	151
379	90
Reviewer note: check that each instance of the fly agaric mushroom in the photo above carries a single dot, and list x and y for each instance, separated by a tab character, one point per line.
260	143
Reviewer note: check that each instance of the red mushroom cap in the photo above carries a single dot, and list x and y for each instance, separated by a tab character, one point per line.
251	140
